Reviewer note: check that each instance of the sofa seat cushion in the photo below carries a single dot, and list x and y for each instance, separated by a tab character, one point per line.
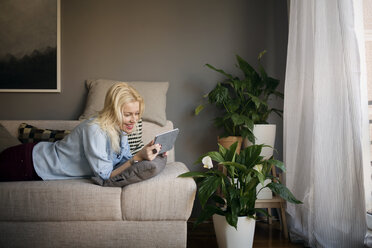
59	200
163	197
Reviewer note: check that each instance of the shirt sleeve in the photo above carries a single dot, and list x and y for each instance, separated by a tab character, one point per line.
97	151
126	154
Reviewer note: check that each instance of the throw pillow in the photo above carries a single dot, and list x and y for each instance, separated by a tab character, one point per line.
135	139
136	173
6	139
30	134
153	93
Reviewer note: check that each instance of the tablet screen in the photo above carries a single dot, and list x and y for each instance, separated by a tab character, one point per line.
166	140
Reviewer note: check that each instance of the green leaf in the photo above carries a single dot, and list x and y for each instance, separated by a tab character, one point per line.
220	71
219	95
194	174
261	54
277	163
235	209
252	184
266	168
283	191
218	199
232	105
232	219
245	67
271	85
216	156
198	109
244	132
262	73
251	193
260	176
207	188
222	150
252	155
244	204
236	165
257	101
238	119
230	154
256	118
249	123
249	135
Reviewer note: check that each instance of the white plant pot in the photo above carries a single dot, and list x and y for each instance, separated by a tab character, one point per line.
229	237
265	134
265	193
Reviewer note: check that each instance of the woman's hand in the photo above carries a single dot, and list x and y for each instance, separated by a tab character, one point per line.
148	152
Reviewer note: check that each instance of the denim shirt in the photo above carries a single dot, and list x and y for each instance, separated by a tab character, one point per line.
84	153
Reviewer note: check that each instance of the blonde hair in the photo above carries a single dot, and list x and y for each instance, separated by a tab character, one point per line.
110	118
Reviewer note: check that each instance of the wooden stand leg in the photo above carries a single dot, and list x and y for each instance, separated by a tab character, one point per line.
269	218
284	220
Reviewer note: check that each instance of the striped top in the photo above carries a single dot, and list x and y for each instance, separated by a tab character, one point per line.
135	139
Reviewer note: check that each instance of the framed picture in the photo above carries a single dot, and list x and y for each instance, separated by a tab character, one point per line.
30	46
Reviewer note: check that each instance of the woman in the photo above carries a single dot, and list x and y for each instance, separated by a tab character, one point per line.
96	147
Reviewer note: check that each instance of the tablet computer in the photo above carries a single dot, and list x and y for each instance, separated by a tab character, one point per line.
166	140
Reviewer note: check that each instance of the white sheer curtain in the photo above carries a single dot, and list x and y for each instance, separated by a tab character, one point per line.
326	143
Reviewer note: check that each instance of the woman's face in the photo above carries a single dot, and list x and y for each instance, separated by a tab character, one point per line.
130	112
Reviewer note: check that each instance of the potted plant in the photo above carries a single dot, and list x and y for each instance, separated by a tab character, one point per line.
243	101
232	195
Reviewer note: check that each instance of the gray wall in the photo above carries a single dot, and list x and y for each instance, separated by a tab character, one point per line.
163	40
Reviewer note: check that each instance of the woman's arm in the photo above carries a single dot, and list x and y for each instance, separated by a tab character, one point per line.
125	166
146	153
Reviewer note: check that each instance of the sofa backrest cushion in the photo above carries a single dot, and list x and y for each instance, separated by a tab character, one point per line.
153	93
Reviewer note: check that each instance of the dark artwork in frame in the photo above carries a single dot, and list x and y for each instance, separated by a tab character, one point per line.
30	46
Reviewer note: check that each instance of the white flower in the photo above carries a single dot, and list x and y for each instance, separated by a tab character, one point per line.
258	167
207	162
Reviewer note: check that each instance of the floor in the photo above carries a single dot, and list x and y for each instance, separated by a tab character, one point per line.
266	236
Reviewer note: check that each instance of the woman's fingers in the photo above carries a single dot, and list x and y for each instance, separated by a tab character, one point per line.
155	149
165	154
151	151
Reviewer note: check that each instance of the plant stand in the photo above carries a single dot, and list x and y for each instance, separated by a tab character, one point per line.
275	202
229	237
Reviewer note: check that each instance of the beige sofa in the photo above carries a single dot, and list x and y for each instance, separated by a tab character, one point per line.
79	213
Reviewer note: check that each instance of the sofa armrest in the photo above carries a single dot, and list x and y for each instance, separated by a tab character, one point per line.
163	197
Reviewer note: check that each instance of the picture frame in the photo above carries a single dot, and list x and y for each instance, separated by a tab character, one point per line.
30	59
